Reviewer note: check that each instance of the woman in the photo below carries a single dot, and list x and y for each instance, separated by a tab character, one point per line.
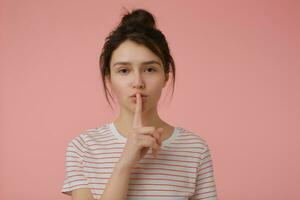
138	155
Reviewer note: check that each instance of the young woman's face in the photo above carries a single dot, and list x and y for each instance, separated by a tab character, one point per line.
133	65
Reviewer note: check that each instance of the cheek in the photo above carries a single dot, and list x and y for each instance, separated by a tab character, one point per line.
157	88
119	90
157	84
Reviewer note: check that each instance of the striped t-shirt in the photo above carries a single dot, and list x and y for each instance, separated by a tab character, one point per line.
182	170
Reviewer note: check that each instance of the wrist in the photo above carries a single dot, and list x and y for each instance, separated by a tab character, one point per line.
122	166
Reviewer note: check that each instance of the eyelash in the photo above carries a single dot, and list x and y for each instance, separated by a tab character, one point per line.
120	71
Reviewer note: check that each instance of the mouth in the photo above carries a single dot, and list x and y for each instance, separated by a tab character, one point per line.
143	96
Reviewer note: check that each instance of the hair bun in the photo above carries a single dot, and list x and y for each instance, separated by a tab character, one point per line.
138	17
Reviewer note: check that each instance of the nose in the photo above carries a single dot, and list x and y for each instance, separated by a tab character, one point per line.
138	82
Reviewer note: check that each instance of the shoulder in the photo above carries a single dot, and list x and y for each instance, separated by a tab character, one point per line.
194	137
84	137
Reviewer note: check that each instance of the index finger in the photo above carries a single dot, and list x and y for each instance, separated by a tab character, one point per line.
137	118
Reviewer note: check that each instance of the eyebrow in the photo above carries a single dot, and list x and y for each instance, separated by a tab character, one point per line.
143	63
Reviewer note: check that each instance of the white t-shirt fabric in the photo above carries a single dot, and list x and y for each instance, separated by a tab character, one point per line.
183	169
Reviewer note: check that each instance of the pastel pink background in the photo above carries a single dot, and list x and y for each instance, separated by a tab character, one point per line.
237	86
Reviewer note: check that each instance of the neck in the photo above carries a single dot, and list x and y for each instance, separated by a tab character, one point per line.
125	119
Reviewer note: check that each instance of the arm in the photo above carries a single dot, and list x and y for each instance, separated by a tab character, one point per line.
117	186
82	194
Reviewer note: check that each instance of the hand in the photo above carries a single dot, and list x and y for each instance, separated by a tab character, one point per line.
140	139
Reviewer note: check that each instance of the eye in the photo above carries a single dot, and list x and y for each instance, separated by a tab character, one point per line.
122	71
152	69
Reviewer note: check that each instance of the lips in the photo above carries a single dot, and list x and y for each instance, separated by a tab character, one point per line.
142	95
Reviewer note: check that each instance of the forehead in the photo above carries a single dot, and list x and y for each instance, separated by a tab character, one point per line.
132	52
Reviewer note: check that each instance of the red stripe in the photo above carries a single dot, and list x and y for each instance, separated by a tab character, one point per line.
162	154
206	151
159	195
156	179
100	139
201	188
75	157
163	174
181	143
206	157
101	153
202	183
102	133
69	182
77	147
191	136
79	175
71	187
161	179
141	168
164	164
121	148
136	184
201	169
156	190
205	173
162	185
102	178
101	142
206	192
204	163
82	143
146	158
170	147
73	161
198	180
71	151
206	197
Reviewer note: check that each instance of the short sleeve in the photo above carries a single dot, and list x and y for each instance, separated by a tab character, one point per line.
205	182
74	176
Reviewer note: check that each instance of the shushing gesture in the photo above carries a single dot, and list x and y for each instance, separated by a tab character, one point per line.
140	139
